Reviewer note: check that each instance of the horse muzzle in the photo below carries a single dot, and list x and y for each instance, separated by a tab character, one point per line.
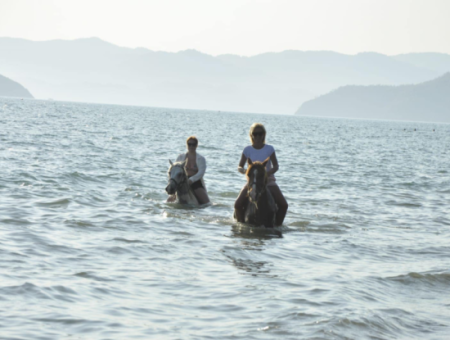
170	189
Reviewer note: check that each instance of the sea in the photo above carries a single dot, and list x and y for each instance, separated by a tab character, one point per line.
90	249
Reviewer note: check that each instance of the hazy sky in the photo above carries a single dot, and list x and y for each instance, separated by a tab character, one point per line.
244	27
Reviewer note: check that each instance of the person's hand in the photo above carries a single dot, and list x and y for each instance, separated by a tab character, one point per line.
241	170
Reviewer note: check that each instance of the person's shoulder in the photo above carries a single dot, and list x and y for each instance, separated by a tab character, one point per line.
269	147
199	156
248	147
181	157
247	151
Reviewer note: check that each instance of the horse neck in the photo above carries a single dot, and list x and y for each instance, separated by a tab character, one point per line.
264	186
183	189
185	194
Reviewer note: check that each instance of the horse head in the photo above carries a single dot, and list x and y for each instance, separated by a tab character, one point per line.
177	176
256	179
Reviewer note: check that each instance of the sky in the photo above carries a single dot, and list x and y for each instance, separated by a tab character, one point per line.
241	27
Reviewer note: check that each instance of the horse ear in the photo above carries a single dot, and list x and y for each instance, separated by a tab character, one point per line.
249	161
266	161
170	162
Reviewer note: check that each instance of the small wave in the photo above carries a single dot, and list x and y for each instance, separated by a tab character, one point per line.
242	229
227	194
59	203
442	220
325	228
219	205
88	275
222	220
206	147
178	206
65	321
78	176
16	221
119	250
426	278
27	289
190	214
26	175
301	224
404	204
125	240
77	223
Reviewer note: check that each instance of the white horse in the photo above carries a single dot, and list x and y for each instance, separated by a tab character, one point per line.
178	184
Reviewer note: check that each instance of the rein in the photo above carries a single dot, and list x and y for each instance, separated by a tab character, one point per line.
249	188
176	183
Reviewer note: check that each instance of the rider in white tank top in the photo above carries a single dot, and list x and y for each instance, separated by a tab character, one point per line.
260	155
259	151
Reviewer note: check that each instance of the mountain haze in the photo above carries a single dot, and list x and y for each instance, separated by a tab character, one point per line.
428	101
92	70
439	62
9	88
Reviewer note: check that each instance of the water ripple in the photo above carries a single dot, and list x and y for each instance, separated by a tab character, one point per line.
91	250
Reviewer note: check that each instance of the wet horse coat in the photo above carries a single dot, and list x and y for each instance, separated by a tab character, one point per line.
178	184
261	208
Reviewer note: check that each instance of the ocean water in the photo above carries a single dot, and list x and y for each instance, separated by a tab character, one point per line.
90	249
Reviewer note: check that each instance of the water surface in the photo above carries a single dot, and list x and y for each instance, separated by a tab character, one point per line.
90	249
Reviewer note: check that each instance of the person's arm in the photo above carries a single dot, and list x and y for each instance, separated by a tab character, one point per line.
242	163
201	164
274	160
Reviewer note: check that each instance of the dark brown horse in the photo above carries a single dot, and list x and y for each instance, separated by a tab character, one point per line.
261	208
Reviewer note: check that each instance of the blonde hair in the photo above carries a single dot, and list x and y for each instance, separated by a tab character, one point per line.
253	127
191	138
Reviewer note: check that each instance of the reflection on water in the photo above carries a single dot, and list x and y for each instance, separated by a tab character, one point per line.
247	231
242	254
251	267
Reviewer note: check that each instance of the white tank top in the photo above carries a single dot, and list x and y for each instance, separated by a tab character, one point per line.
260	154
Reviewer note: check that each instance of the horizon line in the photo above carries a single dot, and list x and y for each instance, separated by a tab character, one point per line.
214	55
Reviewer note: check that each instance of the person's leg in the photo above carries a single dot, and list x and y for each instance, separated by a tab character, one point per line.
202	195
239	205
281	203
200	192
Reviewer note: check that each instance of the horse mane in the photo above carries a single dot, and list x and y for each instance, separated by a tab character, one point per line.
258	165
178	164
261	209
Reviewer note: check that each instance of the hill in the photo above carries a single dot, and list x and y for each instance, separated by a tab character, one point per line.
9	88
439	62
92	70
428	101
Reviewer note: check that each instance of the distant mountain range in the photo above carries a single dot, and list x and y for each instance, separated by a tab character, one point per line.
9	88
428	101
92	70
